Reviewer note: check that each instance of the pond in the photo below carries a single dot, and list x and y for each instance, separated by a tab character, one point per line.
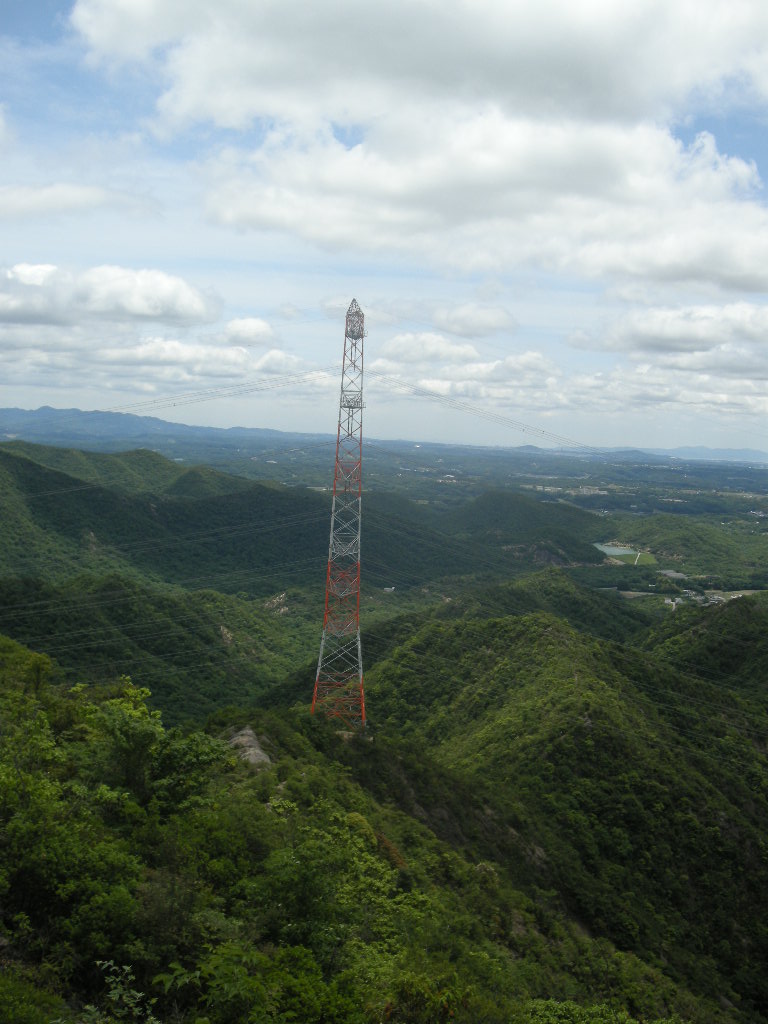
612	549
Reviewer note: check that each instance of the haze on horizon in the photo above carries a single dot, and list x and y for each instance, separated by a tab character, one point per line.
553	212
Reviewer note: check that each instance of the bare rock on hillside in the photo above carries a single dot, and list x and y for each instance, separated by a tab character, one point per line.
248	747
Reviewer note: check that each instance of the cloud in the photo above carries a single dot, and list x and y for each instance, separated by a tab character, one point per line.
32	273
174	359
685	391
741	363
120	360
119	29
43	293
633	400
687	329
428	151
425	347
492	194
473	321
684	385
276	362
25	201
348	62
527	380
249	330
486	138
146	294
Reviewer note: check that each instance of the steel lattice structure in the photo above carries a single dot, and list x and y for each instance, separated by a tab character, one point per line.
339	682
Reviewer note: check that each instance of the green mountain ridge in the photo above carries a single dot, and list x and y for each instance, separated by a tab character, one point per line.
728	640
558	811
594	755
291	891
196	650
137	471
199	527
591	611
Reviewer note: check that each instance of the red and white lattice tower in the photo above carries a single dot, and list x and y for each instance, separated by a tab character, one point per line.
339	683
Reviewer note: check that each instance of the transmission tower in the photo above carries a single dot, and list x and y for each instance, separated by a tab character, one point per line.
339	682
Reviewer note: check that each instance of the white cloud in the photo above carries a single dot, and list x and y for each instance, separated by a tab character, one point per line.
120	360
524	380
495	170
348	62
129	28
520	366
636	401
473	321
185	360
276	362
656	391
489	193
250	330
147	294
742	363
425	347
32	273
688	329
486	137
23	201
43	293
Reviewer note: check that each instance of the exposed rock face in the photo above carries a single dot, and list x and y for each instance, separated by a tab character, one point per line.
249	748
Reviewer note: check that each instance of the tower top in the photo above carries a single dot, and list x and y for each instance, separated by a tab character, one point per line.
355	328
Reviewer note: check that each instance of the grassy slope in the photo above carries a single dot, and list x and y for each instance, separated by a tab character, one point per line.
131	471
225	522
199	527
58	527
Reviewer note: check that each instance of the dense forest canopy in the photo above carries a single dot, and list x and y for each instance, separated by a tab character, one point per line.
558	812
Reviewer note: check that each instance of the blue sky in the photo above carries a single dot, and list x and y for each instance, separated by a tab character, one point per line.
554	213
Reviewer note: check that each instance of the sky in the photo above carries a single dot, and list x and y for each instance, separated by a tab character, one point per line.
553	214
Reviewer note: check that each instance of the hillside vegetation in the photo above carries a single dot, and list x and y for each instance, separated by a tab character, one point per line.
290	893
631	778
557	814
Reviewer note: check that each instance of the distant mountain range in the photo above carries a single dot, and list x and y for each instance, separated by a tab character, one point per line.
712	454
48	424
111	430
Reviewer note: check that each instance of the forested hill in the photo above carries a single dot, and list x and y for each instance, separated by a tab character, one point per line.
140	514
558	812
375	879
136	512
641	785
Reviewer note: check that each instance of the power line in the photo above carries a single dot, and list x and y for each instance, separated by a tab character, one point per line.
283	571
228	390
484	413
441	541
